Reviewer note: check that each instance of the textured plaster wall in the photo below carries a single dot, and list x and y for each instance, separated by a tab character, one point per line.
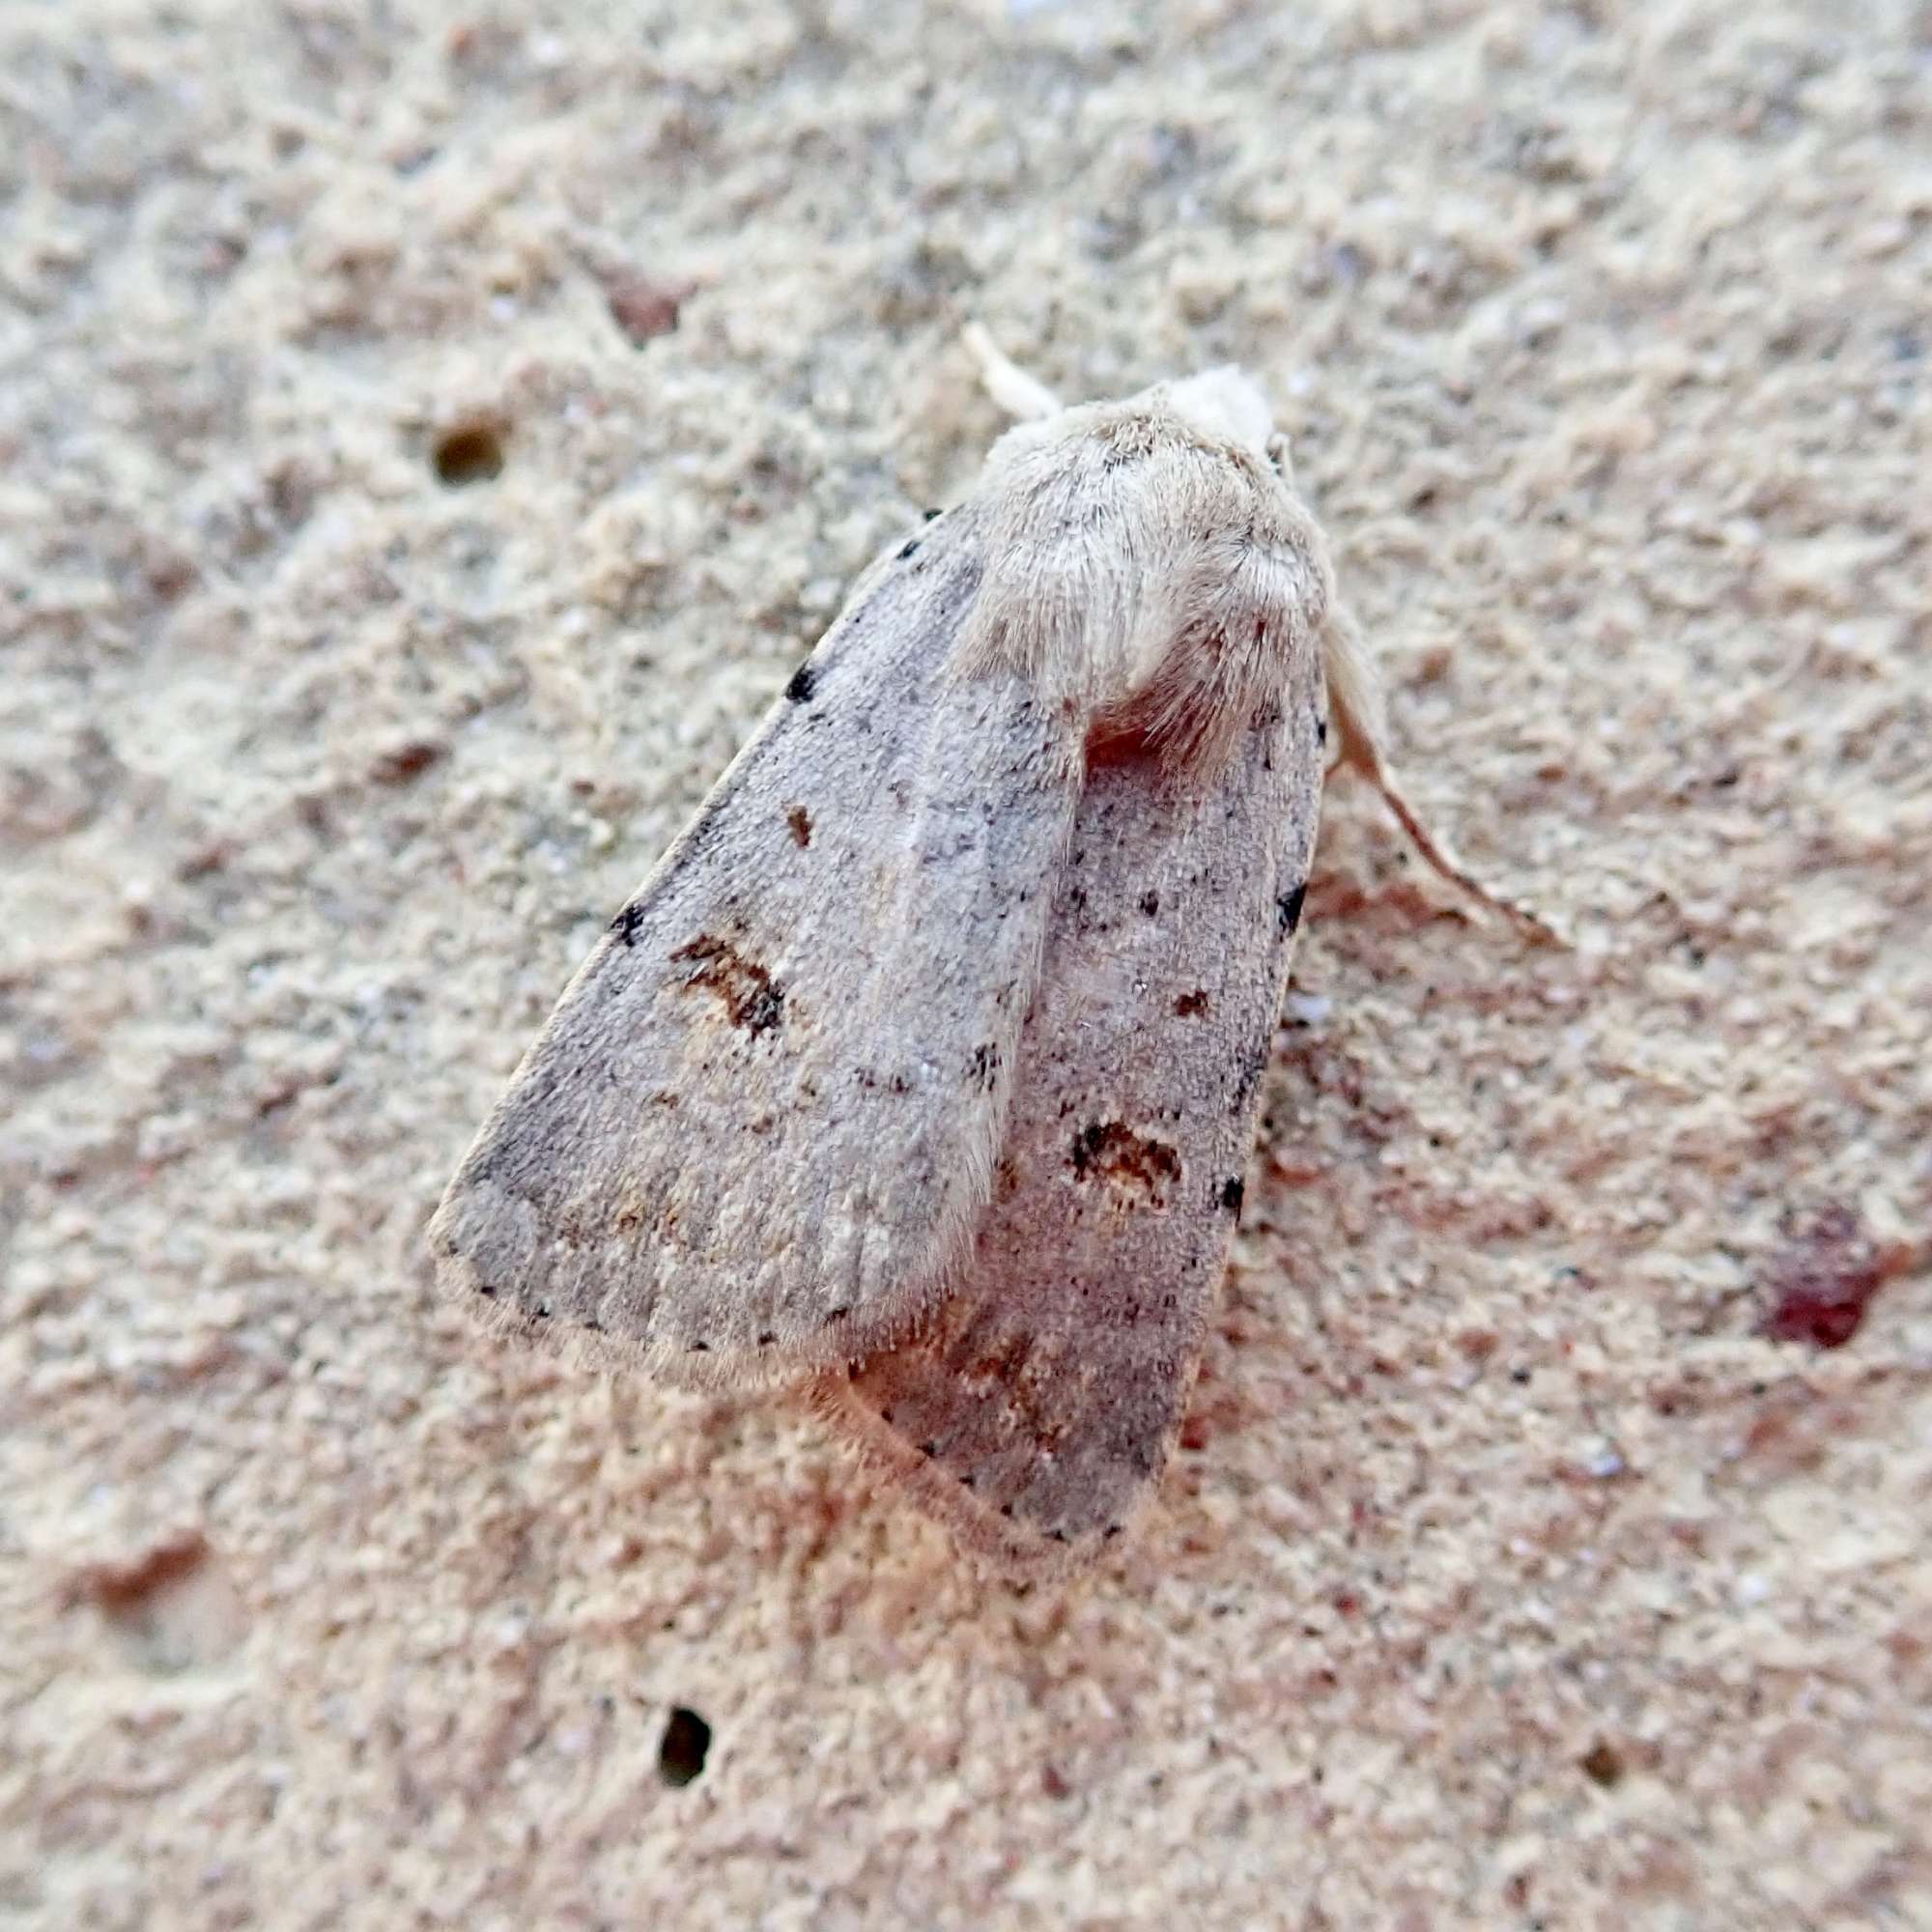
430	433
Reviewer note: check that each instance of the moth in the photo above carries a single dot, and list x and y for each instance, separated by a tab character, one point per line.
921	1072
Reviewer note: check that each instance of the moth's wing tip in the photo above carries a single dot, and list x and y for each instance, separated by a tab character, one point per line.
457	1276
462	1229
720	1371
460	1282
792	1361
1030	1562
498	1313
998	1548
502	1322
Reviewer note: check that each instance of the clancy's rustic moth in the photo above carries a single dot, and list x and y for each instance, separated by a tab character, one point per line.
922	1070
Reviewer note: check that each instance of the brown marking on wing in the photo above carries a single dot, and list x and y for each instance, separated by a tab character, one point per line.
1111	1152
750	997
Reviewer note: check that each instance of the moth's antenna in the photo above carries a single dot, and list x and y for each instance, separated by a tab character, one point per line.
1010	385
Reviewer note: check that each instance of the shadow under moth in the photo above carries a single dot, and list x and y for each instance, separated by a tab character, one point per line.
921	1072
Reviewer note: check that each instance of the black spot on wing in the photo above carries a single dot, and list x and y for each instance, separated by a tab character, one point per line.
625	925
1288	909
804	682
1231	1195
1254	1063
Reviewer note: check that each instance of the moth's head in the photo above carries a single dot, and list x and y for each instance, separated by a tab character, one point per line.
1225	405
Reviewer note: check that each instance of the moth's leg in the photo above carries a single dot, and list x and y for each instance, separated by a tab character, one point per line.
1450	867
1009	385
1355	710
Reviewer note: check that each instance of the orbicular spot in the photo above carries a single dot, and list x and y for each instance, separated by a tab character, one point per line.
1110	1151
1150	903
1190	1005
625	925
750	997
1231	1195
1288	909
799	822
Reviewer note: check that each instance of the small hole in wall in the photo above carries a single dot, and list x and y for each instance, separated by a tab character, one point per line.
681	1751
472	454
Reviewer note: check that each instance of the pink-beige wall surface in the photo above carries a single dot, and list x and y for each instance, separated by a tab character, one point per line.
430	433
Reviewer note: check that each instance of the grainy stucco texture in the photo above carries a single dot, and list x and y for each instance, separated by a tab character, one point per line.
1531	1559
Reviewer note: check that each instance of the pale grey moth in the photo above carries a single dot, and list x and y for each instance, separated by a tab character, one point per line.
921	1071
